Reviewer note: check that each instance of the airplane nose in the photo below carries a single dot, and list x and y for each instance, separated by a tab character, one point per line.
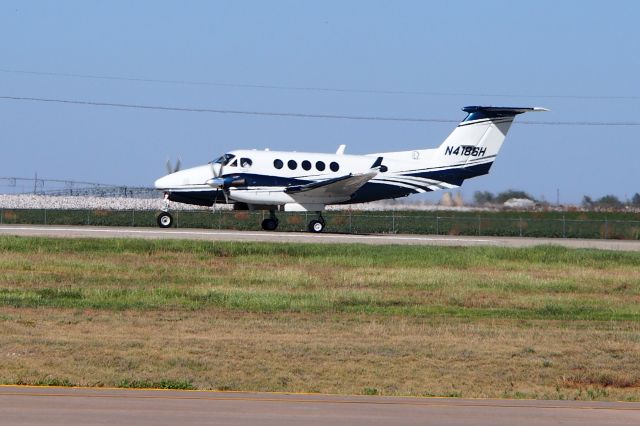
162	183
184	178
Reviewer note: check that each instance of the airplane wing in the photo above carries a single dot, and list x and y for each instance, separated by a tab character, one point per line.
343	186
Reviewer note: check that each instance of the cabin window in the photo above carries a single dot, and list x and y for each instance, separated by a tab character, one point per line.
306	165
292	164
320	165
278	164
246	162
334	166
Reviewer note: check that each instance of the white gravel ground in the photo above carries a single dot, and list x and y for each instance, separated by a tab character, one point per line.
30	201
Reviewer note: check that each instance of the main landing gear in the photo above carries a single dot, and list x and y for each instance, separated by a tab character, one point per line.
271	223
316	225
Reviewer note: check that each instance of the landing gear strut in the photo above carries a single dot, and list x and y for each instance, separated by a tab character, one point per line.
271	223
316	225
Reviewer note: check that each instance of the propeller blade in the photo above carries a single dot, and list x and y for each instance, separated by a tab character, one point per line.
175	168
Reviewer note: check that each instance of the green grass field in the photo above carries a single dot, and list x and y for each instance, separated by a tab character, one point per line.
544	322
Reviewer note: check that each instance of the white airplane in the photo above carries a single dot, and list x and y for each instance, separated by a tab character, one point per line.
305	181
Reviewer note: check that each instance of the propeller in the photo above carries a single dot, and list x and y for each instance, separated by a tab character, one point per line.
216	169
216	181
172	169
224	183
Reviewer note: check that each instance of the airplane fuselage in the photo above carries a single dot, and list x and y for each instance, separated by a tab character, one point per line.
308	181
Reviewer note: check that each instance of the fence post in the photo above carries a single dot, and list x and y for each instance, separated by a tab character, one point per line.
88	216
479	224
564	226
606	228
133	217
45	216
1	216
520	225
437	225
350	220
393	221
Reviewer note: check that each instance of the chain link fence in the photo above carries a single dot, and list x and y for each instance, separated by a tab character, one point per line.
355	222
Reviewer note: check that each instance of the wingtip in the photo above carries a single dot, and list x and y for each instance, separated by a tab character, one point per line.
541	109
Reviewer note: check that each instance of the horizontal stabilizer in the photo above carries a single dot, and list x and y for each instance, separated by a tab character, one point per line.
483	112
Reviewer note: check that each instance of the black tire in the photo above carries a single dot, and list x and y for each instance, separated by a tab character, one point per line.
165	220
269	224
316	226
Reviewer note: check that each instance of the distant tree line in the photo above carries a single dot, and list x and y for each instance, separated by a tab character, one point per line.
610	202
486	197
605	202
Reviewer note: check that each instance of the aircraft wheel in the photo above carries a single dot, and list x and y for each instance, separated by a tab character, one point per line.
269	224
165	220
316	226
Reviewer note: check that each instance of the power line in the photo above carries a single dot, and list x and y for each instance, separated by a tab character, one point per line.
317	89
303	115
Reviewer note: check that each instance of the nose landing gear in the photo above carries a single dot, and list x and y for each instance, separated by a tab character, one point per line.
164	218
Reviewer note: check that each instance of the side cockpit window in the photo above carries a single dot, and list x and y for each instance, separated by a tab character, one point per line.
224	159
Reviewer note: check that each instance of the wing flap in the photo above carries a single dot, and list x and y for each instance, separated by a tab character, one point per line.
343	186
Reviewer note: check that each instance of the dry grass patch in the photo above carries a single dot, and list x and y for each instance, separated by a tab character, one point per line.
320	353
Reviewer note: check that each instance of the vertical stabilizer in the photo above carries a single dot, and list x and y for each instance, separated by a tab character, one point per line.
479	137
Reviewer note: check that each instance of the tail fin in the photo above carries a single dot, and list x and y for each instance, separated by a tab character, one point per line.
478	138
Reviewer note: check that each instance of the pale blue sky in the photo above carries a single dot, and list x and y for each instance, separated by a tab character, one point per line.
515	53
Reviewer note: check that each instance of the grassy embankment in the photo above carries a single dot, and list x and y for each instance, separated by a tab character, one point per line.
545	322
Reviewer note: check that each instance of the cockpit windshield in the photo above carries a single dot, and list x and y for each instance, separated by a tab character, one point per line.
224	159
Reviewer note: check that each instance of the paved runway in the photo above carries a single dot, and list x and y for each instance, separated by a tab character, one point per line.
300	237
21	405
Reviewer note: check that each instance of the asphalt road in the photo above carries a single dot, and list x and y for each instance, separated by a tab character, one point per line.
22	405
300	237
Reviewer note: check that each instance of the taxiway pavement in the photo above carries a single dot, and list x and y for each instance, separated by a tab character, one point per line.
24	405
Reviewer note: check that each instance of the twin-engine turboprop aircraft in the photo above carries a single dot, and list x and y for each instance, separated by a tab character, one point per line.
304	181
